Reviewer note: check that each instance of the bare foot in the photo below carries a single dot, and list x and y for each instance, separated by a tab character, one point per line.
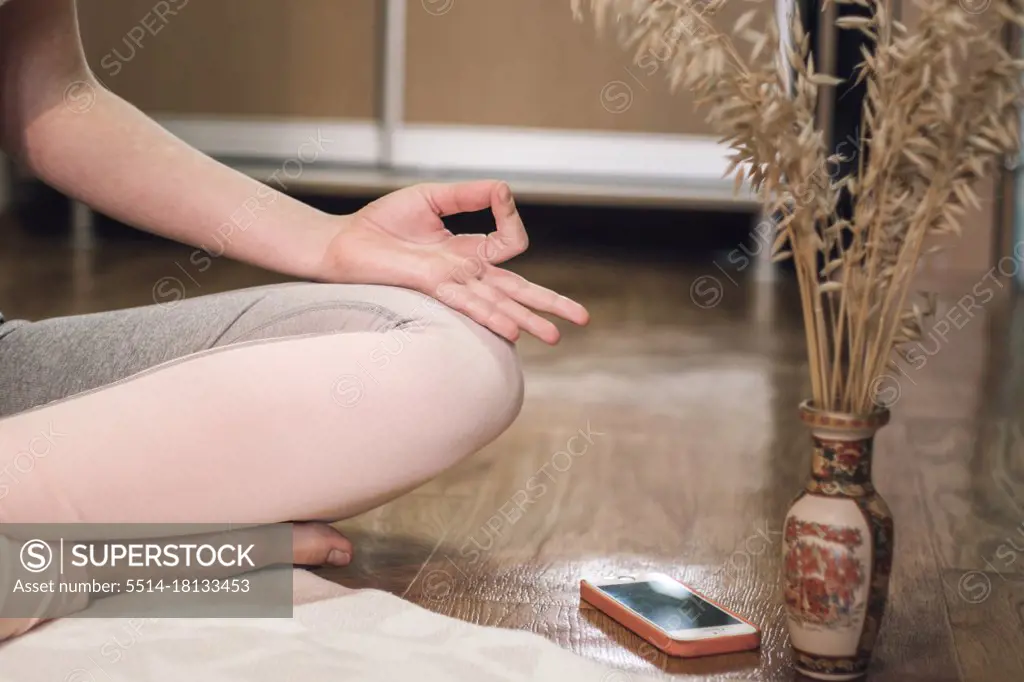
46	606
12	627
316	544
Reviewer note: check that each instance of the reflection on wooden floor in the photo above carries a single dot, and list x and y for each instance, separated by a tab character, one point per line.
685	451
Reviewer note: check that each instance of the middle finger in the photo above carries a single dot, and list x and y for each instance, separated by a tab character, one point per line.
527	320
536	297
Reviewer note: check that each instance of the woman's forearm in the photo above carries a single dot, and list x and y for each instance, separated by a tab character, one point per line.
103	151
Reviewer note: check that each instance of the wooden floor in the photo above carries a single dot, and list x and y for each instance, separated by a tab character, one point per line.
691	452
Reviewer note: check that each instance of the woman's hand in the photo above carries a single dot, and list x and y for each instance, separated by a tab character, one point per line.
400	240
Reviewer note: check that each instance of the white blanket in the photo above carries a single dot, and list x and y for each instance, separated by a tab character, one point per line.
336	635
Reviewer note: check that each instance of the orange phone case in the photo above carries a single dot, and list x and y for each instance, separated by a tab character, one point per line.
673	647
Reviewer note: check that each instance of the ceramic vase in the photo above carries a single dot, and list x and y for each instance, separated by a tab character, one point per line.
837	549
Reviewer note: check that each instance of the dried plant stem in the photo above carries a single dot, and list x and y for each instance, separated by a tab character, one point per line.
852	330
880	349
867	234
941	107
806	300
821	345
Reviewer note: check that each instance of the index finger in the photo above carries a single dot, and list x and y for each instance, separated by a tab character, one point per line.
459	197
510	239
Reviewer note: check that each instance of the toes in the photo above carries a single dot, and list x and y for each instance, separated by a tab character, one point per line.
316	544
12	627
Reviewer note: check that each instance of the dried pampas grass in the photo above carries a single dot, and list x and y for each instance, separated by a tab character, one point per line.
941	111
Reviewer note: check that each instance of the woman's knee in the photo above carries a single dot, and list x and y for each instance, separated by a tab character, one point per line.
500	396
483	372
428	397
472	376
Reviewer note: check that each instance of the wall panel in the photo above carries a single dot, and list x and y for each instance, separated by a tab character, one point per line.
265	58
529	63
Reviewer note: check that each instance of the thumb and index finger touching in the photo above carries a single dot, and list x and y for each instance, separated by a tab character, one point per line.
510	238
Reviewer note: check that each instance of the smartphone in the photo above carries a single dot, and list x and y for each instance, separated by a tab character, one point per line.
673	617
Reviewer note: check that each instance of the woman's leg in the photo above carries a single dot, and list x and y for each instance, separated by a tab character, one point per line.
308	402
286	403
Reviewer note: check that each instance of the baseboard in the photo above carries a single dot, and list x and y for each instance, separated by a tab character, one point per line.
559	152
528	187
345	142
459	148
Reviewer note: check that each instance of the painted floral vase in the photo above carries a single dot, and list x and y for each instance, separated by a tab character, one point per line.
837	550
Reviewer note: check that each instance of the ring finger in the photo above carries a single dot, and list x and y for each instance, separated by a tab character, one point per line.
526	319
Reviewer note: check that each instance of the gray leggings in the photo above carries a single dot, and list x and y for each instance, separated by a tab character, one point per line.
281	403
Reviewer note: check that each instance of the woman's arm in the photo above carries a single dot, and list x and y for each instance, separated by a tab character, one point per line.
95	147
90	144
